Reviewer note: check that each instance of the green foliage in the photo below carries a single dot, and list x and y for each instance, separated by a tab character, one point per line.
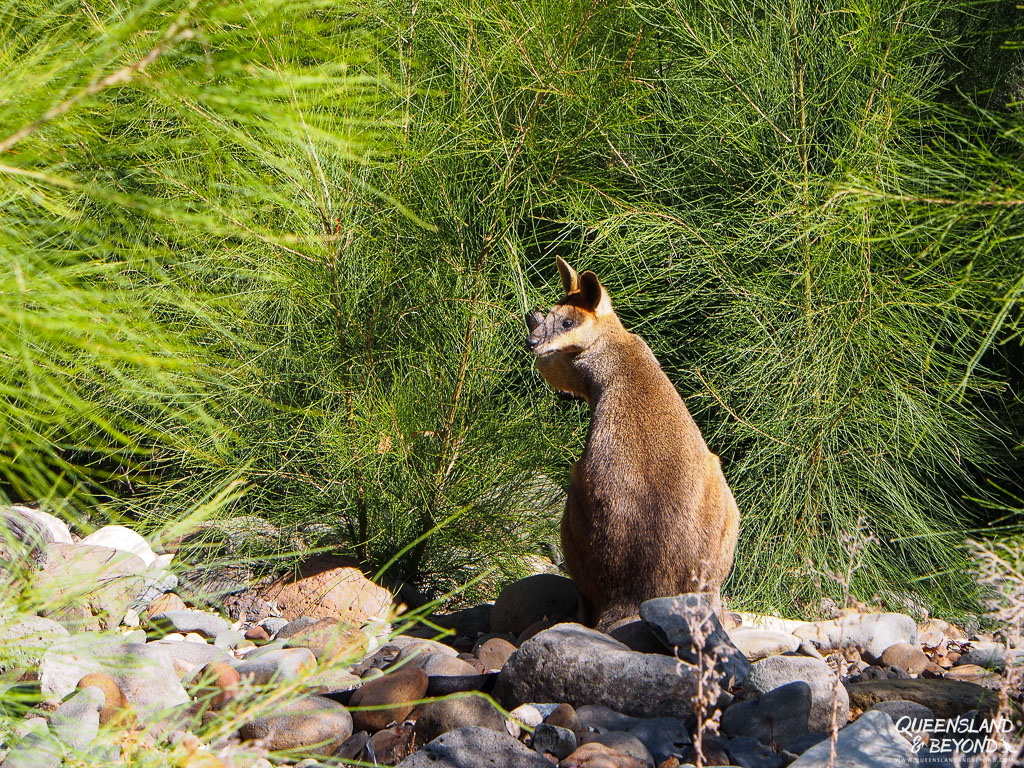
292	243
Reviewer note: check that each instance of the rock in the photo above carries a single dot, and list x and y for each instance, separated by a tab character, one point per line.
473	747
329	640
206	624
165	603
123	540
907	657
23	538
596	755
553	740
57	531
535	598
394	691
391	745
276	665
273	625
991	655
870	742
37	749
469	622
623	743
494	652
777	717
870	633
637	636
330	587
187	656
688	626
295	626
312	723
757	644
410	647
354	745
446	715
76	722
972	673
547	668
775	671
114	701
26	637
564	716
664	737
897	709
748	752
436	665
216	682
946	698
86	587
257	634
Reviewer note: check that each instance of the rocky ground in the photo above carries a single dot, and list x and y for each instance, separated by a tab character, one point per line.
115	665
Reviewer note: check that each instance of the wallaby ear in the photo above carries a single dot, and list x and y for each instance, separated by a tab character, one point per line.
570	280
595	297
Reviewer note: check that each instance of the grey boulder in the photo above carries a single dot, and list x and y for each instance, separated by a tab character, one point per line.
473	747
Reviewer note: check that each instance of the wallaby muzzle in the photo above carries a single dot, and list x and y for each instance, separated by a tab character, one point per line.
533	319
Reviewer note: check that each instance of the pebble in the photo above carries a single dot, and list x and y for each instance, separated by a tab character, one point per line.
257	634
312	723
564	716
393	692
437	665
273	625
218	682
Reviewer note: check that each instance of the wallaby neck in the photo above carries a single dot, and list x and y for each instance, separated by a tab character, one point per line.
608	369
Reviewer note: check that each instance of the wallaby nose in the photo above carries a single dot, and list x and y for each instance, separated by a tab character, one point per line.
531	343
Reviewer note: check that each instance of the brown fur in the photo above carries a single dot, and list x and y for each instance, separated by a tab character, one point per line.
649	512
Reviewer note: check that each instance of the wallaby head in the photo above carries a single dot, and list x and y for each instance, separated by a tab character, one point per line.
574	325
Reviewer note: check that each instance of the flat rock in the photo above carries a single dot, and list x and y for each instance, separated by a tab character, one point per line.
122	539
775	671
869	633
870	742
474	747
946	698
394	692
757	644
208	625
88	587
991	655
446	715
329	587
312	723
777	717
573	664
533	599
689	627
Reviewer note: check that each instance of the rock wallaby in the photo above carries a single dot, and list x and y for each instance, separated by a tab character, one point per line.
649	513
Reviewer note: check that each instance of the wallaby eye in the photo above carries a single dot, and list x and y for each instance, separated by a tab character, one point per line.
567	323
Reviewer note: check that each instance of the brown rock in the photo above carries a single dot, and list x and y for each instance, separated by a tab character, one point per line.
217	681
257	634
166	602
946	698
392	745
330	639
329	587
88	587
313	724
442	716
544	596
564	716
973	673
436	665
910	658
535	628
494	652
394	691
594	755
114	700
475	663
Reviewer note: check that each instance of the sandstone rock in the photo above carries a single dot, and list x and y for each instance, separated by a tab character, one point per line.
216	682
757	644
907	657
164	604
87	587
330	587
313	723
775	671
446	715
494	652
330	639
570	663
623	743
688	626
870	633
394	691
596	755
972	673
114	701
870	742
535	598
777	717
473	747
946	698
275	665
257	634
564	716
122	539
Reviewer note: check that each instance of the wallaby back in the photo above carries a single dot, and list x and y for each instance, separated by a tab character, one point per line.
649	513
